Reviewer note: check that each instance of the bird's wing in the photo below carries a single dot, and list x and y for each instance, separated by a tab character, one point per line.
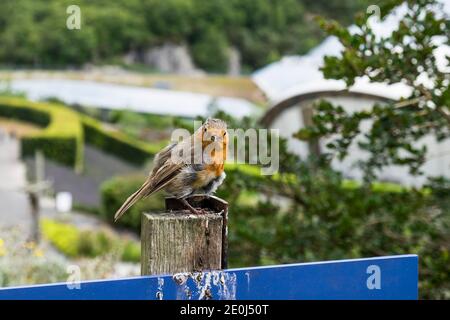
169	169
164	175
164	171
161	157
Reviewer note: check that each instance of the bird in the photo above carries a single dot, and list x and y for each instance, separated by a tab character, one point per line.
195	165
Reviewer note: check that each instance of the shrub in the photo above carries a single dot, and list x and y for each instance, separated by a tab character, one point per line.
64	237
92	244
321	219
76	243
131	252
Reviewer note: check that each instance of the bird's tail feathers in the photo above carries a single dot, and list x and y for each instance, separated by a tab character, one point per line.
139	194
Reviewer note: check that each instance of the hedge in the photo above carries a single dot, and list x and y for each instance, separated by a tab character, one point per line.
65	130
62	136
117	143
254	172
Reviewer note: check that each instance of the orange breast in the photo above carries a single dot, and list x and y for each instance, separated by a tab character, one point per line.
214	169
206	176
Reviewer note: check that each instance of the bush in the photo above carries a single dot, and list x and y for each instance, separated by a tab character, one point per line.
308	212
76	243
64	237
92	244
62	136
322	220
115	191
131	252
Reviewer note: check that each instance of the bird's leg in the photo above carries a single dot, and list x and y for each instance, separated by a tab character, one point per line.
190	208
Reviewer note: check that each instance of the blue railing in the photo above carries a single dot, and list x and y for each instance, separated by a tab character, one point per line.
391	277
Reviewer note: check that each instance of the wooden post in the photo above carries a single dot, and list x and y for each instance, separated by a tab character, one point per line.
39	167
178	241
35	230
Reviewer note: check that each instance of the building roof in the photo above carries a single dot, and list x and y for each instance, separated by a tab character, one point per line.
294	75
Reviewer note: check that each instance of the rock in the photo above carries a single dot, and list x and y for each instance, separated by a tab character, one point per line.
170	58
131	57
234	62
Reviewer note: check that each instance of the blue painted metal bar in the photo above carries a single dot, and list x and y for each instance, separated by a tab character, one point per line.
391	277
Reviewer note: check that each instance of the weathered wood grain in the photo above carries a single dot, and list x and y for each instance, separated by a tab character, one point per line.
177	241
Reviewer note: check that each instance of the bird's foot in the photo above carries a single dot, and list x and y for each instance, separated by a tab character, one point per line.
202	211
196	211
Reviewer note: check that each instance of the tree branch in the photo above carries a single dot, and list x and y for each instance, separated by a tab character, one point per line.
444	114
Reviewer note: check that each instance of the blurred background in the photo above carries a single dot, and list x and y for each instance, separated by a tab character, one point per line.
89	94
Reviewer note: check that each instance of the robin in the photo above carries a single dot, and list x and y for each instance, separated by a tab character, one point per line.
192	166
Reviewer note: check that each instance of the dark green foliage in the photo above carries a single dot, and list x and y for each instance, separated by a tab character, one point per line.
107	142
93	244
211	51
26	114
325	221
34	33
62	150
142	125
319	218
